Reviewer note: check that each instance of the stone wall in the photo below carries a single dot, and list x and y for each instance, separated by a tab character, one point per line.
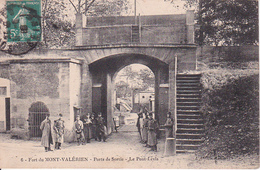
232	53
54	82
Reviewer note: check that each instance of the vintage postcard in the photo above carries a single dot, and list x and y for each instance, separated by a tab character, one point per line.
129	84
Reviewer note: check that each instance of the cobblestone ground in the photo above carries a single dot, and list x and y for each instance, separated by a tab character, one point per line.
122	150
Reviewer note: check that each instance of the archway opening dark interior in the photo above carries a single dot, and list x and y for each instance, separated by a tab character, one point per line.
37	113
103	72
133	91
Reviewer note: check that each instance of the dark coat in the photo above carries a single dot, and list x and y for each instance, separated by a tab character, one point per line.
145	130
46	133
87	127
168	127
152	129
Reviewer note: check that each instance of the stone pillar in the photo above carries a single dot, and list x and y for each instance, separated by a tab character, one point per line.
157	88
110	123
79	22
172	106
190	26
86	89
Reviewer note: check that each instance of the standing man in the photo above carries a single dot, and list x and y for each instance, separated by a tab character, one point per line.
87	127
152	128
168	126
94	126
59	131
78	128
145	129
101	129
45	127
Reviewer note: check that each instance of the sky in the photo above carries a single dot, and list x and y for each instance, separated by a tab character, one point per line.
157	7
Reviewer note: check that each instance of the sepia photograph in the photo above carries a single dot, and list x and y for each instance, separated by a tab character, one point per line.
129	84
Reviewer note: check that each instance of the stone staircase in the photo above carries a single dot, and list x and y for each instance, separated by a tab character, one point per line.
190	127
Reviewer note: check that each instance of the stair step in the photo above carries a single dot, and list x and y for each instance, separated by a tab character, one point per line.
188	92
188	99
188	95
188	116
196	84
188	78
189	136
188	81
189	130
188	103
189	141
188	107
185	151
191	121
187	147
188	112
188	75
188	88
187	125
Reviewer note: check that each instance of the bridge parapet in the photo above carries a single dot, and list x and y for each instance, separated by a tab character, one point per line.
153	29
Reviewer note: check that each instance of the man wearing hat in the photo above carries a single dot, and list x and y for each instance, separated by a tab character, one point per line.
152	129
45	127
101	128
78	128
87	127
59	131
169	126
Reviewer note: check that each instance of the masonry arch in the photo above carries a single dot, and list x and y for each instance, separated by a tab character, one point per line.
37	113
103	72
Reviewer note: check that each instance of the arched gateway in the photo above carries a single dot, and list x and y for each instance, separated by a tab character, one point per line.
80	79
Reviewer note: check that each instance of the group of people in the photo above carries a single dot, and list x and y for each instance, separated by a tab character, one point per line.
85	128
90	127
148	128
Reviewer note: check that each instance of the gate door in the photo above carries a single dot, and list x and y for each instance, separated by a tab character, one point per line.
37	113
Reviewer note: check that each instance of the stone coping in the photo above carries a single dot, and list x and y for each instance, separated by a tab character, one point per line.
39	60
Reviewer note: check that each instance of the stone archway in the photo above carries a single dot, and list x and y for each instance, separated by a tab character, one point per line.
37	113
103	72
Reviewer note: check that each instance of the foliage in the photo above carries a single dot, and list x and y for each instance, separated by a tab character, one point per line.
228	22
231	111
99	7
134	80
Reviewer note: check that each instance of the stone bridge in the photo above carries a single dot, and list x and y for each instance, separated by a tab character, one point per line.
82	78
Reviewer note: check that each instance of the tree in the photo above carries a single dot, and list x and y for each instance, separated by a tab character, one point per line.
228	22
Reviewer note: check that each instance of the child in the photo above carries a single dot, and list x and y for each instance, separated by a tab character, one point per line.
78	127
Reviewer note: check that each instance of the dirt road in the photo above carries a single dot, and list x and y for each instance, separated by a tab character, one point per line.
122	150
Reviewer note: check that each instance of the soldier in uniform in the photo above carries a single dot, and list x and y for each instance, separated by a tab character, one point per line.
168	126
78	128
101	128
45	127
87	127
59	131
94	126
145	130
152	129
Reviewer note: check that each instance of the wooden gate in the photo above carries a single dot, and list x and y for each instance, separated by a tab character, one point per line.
37	113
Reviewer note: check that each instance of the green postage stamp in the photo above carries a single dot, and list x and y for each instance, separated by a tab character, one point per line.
24	21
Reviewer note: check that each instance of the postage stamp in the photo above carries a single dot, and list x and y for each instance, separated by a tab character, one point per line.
24	21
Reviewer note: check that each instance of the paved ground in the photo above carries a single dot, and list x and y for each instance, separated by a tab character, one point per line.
122	150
